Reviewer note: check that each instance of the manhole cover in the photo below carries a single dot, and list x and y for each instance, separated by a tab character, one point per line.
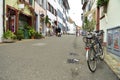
39	44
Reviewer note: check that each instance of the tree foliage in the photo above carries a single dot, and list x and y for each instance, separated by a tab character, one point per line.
102	2
89	25
47	20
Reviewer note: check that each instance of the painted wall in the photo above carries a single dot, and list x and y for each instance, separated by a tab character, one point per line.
14	4
1	19
54	4
112	18
39	10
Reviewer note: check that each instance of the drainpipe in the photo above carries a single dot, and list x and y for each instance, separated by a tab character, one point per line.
3	15
98	19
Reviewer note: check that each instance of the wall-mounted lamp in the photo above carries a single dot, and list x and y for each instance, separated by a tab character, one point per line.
41	14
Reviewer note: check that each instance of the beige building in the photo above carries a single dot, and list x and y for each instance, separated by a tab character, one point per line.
40	11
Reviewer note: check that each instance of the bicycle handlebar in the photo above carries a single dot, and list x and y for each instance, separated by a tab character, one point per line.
95	34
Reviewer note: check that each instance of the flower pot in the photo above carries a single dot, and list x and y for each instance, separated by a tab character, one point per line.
8	40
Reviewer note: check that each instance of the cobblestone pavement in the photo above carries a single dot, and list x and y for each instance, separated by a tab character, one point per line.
51	58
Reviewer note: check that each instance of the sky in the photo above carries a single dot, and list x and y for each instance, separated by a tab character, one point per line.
75	11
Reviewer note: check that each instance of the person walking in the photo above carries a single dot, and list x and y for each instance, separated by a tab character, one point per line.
59	32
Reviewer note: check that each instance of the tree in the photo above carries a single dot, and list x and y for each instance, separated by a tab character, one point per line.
102	3
89	25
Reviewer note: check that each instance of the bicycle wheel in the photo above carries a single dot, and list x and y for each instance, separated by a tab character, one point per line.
84	39
91	60
101	53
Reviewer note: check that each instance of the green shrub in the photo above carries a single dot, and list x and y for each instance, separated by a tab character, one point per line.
38	35
9	35
31	31
20	34
102	2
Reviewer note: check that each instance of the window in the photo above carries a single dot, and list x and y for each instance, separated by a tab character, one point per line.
60	14
48	6
38	1
22	0
55	13
51	9
27	1
30	2
42	1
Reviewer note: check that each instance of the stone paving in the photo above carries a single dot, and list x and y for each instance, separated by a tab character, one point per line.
32	71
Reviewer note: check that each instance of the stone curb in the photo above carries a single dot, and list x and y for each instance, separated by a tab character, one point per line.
113	63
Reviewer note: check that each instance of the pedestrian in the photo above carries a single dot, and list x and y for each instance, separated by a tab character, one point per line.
77	32
59	31
56	31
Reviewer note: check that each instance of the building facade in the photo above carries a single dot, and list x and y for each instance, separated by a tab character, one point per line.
1	19
89	14
18	13
57	10
107	19
110	23
40	11
52	15
65	15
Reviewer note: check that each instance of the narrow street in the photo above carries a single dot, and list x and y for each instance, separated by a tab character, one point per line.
49	59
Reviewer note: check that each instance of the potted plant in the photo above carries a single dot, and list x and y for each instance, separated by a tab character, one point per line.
9	36
20	34
47	20
38	35
31	32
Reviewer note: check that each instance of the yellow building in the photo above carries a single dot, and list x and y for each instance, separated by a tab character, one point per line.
18	13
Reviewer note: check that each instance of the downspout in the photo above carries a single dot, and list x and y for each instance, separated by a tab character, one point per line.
98	19
3	15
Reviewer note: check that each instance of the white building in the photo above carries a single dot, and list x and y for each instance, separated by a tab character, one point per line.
52	10
1	20
110	23
57	11
112	17
71	29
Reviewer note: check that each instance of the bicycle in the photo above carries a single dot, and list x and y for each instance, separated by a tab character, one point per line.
94	50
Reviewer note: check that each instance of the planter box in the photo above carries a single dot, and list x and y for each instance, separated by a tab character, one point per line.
8	40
